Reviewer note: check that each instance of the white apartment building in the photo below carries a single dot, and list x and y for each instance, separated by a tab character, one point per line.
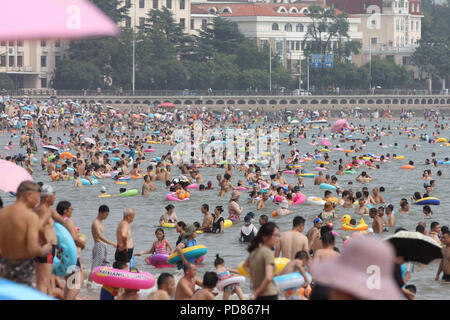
30	63
282	26
181	9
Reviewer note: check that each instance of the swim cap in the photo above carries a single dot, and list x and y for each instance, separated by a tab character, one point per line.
317	220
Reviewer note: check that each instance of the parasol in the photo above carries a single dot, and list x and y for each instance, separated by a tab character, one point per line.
12	176
414	246
53	19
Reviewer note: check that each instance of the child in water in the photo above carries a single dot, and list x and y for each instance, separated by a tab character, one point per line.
297	265
160	246
224	273
109	293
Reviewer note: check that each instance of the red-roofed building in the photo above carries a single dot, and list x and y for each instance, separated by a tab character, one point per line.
283	26
391	28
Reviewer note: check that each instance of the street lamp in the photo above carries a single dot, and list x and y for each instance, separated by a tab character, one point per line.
134	61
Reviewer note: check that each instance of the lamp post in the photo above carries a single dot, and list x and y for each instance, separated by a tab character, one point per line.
270	69
134	61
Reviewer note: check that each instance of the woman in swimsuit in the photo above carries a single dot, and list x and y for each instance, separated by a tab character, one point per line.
218	222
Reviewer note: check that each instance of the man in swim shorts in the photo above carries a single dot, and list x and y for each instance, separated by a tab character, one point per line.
19	236
124	251
47	234
99	251
444	266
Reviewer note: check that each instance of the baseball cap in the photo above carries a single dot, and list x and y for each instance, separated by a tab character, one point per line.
47	190
317	220
250	214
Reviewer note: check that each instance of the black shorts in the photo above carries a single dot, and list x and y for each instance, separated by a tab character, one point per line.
124	256
49	258
446	277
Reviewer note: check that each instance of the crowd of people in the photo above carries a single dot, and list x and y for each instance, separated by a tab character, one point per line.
117	146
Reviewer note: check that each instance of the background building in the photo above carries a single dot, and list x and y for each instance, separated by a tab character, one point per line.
282	26
30	63
391	28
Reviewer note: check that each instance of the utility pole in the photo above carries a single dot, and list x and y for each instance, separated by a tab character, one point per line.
307	61
270	69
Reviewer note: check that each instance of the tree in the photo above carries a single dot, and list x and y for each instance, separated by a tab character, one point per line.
220	36
433	54
6	82
162	22
76	75
328	28
387	74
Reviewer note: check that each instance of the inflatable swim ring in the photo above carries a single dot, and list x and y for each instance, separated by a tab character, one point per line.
291	281
327	186
407	167
129	193
233	280
189	253
316	201
66	257
306	175
87	183
298	198
122	278
428	201
280	263
172	196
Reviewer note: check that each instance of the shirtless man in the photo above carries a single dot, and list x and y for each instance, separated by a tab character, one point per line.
364	177
327	250
147	186
314	232
377	197
293	240
377	224
435	230
210	280
99	251
207	220
390	220
186	286
19	236
362	209
166	287
47	235
444	266
319	179
124	251
225	185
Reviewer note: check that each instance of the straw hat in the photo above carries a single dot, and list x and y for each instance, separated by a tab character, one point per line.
356	270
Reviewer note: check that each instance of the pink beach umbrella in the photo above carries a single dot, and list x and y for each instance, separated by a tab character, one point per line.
12	176
53	19
340	124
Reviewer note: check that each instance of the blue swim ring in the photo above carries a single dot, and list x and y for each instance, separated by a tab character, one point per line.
66	256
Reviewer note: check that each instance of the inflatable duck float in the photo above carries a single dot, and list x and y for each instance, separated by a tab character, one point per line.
362	226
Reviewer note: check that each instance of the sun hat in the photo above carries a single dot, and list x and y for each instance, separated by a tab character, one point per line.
284	204
355	271
189	230
235	194
47	190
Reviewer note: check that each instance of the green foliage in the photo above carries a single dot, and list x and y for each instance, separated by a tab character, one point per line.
6	82
325	28
387	74
77	75
433	54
